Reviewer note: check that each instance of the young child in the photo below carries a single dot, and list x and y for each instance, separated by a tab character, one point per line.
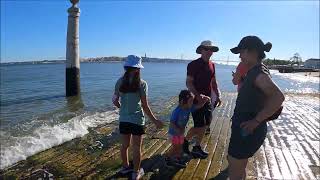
178	122
238	76
132	91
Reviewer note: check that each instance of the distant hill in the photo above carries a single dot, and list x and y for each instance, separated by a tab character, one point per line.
99	60
36	62
119	59
102	59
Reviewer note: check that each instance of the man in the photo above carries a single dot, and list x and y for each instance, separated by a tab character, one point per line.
201	82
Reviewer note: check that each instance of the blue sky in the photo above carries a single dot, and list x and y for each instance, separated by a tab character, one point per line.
36	30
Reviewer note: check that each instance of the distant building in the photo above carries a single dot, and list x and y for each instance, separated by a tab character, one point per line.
312	63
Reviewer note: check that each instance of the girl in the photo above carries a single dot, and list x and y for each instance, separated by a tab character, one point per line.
132	91
258	98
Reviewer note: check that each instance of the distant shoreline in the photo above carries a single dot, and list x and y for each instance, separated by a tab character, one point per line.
120	59
97	60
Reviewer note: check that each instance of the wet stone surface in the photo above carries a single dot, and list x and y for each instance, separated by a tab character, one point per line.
290	151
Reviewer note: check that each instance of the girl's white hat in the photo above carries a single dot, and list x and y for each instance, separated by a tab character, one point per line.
133	61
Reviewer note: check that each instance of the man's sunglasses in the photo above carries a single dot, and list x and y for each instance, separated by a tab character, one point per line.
207	49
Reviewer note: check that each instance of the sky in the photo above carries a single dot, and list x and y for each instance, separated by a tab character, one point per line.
36	30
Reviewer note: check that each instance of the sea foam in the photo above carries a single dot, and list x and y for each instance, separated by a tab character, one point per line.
46	137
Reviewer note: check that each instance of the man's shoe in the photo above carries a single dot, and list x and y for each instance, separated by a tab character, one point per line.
137	175
207	131
125	170
203	151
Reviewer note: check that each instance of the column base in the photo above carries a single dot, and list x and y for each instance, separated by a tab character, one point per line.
72	81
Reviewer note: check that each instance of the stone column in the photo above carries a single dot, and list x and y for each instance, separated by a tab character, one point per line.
72	54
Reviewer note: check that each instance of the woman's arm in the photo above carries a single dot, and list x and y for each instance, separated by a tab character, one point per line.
147	110
274	97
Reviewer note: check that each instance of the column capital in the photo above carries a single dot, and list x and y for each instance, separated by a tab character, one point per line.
75	11
74	3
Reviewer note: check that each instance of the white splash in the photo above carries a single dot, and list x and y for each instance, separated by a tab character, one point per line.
46	137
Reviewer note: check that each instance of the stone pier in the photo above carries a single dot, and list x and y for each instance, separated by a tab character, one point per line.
290	151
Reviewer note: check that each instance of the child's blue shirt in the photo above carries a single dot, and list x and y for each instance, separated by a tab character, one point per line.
180	118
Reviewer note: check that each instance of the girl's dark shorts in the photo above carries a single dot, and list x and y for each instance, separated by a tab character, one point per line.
130	128
244	147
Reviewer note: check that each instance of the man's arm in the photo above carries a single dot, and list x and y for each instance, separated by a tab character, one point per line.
202	101
190	86
214	85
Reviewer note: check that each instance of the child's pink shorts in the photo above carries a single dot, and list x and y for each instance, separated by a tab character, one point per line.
176	139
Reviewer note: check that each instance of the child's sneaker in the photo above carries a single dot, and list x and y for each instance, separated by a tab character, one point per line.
125	170
137	175
168	161
183	162
185	147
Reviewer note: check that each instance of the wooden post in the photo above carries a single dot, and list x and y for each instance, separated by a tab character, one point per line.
72	52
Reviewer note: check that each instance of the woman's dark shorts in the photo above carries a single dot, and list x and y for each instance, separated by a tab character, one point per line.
244	147
203	116
130	128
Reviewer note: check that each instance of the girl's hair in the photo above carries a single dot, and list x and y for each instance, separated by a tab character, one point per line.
266	48
130	84
184	96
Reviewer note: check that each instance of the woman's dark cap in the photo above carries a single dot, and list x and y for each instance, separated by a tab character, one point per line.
251	42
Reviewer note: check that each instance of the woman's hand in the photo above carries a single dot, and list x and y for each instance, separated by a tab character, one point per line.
249	126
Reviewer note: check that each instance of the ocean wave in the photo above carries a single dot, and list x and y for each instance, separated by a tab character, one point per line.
46	137
296	83
297	77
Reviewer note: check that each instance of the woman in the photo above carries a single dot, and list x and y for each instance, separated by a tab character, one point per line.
258	98
132	91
